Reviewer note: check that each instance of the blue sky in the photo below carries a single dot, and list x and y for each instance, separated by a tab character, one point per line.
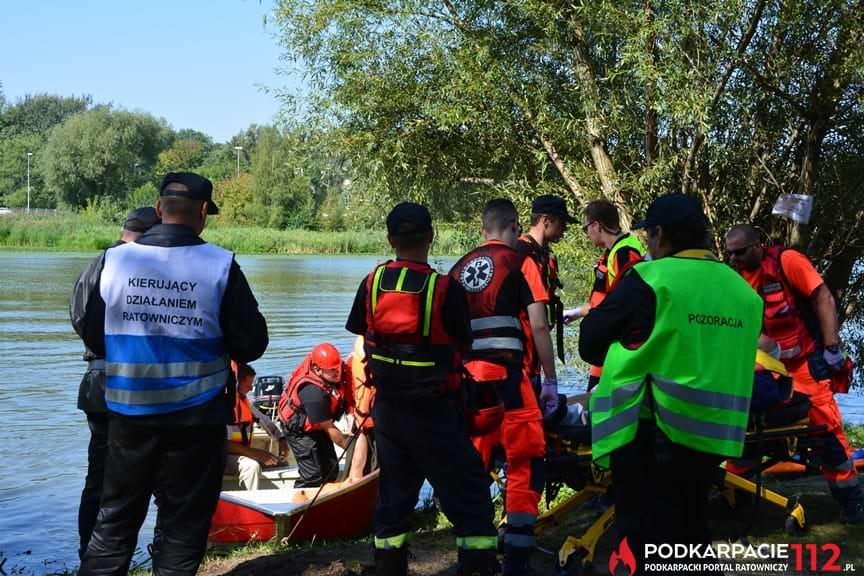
196	63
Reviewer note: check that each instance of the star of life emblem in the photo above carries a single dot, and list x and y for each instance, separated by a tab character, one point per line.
477	274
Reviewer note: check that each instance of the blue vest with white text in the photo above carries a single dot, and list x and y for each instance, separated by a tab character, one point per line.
164	349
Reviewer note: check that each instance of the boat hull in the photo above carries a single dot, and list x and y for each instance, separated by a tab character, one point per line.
262	515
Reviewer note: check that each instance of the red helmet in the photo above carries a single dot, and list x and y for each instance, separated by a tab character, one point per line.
482	421
327	357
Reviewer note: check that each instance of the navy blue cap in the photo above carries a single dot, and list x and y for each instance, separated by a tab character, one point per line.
408	218
141	219
553	206
197	188
673	210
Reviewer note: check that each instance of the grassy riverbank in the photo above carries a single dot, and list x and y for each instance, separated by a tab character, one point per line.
73	232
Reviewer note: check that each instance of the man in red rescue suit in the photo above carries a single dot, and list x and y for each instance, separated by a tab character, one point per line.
415	323
622	251
549	219
800	314
506	293
244	460
309	405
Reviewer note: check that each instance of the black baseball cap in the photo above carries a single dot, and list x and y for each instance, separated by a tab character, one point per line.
197	188
408	218
141	219
553	206
673	210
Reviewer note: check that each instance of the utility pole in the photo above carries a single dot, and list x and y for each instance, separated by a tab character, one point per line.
238	149
29	154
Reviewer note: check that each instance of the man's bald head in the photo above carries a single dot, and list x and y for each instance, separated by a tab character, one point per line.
743	247
744	232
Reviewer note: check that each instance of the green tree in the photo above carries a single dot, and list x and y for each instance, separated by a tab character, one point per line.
735	101
24	127
99	152
185	155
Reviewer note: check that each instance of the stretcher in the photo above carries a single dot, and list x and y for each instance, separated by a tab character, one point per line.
569	464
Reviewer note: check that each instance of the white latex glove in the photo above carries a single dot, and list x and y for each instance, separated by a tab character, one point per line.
549	396
572	314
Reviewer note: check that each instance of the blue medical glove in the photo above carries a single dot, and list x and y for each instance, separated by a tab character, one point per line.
549	396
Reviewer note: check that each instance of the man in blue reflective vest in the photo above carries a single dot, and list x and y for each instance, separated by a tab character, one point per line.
167	311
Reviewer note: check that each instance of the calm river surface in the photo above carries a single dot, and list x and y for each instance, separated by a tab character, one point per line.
44	458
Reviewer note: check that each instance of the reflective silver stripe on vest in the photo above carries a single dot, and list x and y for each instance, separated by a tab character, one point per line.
497	343
97	364
791	352
620	395
726	432
615	423
167	395
491	322
707	398
168	370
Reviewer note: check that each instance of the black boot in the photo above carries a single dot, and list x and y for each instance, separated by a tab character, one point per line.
517	561
851	512
477	563
391	561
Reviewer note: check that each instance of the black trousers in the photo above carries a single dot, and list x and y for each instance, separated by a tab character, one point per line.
661	492
97	451
184	465
316	458
419	440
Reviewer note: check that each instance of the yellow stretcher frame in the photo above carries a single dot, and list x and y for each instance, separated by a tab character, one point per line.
577	552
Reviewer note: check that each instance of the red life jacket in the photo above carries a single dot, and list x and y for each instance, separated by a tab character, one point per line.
486	273
788	317
241	429
408	352
291	411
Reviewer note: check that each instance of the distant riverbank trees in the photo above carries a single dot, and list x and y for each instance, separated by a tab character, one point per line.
104	160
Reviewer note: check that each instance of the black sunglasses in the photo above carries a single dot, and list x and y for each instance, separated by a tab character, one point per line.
586	226
740	251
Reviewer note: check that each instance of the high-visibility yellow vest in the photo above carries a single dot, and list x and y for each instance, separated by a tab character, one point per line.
694	373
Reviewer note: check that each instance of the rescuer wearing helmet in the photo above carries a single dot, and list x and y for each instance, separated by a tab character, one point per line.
801	315
507	303
312	401
415	322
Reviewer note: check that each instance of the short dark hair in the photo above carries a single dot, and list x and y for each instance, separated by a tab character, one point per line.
244	370
409	241
498	213
179	206
605	213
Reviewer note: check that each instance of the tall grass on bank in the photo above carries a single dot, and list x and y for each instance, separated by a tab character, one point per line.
74	232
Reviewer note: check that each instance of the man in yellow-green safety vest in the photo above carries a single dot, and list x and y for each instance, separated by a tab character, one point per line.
677	339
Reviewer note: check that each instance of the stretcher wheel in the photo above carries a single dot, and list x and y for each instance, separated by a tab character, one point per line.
792	527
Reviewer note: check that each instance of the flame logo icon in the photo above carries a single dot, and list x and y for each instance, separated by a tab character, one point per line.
625	555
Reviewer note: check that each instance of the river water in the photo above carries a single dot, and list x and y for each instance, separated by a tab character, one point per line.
44	458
